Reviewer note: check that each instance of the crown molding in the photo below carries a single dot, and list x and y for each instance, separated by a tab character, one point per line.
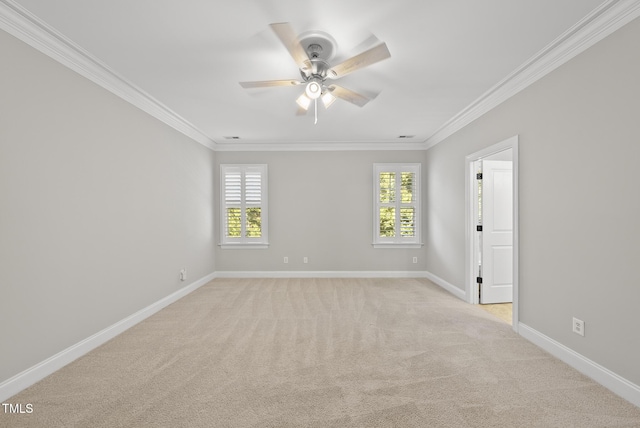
604	20
601	22
22	24
316	146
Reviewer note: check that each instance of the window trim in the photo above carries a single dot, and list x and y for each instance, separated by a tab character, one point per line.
398	241
244	242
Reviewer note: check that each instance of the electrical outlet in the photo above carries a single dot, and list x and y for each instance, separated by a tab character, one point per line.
183	275
286	259
305	260
415	260
578	326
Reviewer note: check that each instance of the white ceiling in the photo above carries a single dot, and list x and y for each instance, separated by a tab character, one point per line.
190	56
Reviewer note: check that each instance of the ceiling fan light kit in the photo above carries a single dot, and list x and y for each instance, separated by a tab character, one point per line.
304	101
312	52
314	88
328	99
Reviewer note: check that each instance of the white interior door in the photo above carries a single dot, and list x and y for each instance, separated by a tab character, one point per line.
497	232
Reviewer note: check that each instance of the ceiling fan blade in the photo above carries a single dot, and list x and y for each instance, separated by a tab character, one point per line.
289	39
348	95
269	83
366	58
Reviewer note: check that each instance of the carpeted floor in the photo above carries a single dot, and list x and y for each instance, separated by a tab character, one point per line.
320	353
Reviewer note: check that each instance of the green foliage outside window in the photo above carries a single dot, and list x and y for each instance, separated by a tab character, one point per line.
407	216
406	187
254	222
387	187
253	226
234	222
387	222
388	196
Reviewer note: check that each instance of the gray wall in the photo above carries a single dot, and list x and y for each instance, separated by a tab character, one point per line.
102	205
579	200
321	207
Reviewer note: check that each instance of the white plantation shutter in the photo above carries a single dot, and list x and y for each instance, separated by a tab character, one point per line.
244	205
232	214
233	186
253	187
396	205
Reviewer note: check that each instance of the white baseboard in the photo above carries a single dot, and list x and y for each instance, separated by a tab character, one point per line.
461	294
605	377
320	274
23	380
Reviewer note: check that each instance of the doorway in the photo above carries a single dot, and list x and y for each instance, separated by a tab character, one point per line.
492	226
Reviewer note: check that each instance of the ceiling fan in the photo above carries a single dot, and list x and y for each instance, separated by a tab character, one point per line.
312	52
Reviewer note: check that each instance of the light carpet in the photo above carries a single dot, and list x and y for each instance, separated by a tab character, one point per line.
320	353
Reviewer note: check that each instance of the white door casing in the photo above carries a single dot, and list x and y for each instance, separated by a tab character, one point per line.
497	232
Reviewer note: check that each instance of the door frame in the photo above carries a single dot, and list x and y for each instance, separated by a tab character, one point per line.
471	287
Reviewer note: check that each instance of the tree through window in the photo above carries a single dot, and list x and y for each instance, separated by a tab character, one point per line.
244	205
396	204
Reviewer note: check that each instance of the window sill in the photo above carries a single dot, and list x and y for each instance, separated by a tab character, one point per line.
396	245
244	246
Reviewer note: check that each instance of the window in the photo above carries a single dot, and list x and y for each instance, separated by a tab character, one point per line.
396	205
243	206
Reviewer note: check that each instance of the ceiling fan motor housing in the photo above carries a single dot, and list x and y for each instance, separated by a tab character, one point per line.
320	47
319	68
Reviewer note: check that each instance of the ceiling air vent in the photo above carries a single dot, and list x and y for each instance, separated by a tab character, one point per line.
232	137
406	136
